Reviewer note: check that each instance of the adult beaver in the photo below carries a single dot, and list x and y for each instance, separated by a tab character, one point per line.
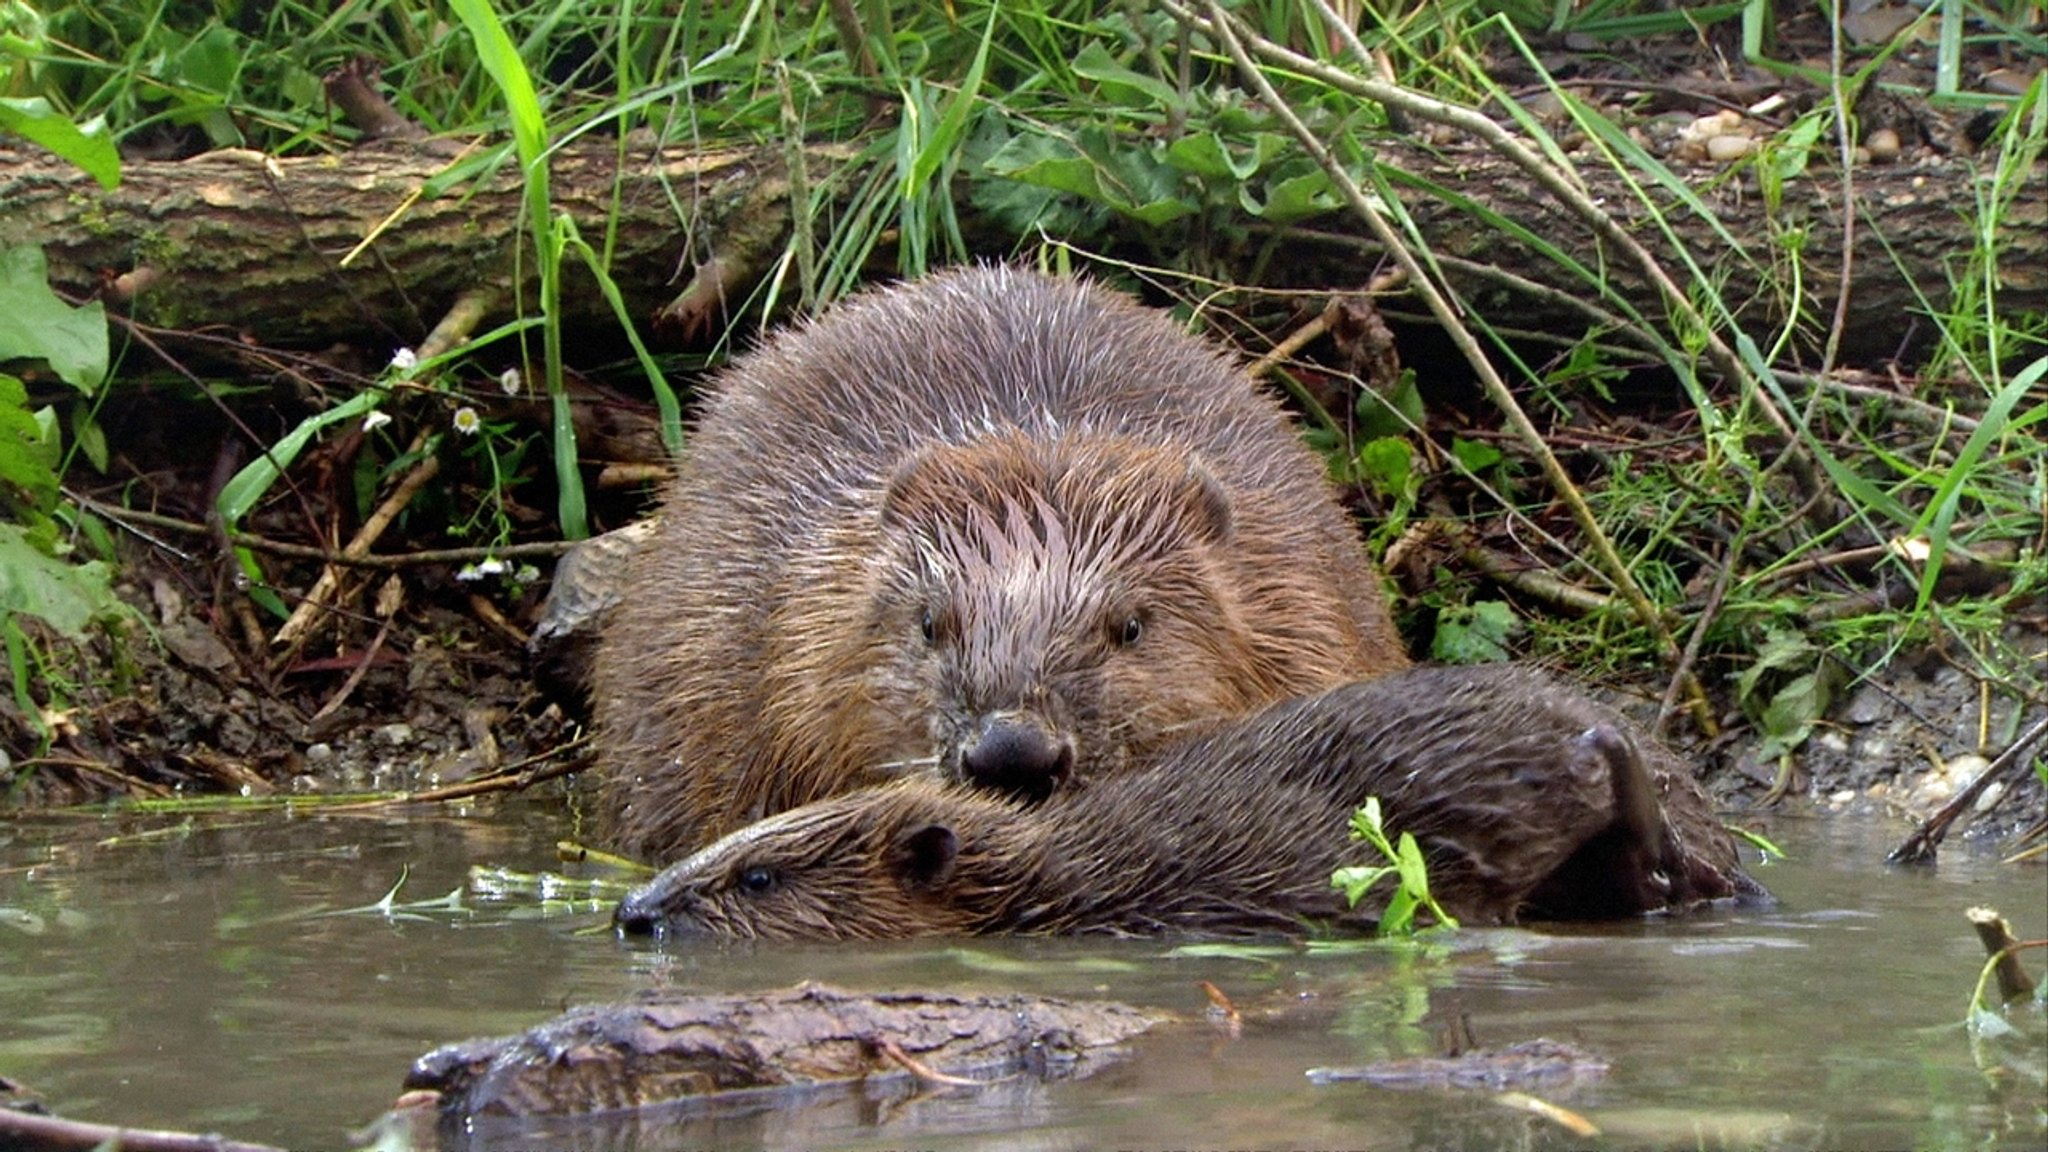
989	526
1529	801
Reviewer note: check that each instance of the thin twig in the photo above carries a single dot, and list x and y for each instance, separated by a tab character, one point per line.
1846	144
918	1068
324	589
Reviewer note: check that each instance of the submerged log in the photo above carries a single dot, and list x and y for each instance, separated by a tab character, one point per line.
666	1048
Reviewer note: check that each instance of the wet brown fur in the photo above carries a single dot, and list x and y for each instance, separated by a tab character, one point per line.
1034	471
1528	800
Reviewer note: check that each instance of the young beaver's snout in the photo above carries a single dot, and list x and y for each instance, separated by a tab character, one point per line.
1528	800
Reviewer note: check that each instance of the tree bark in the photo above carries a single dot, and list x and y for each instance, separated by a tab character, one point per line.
262	245
258	244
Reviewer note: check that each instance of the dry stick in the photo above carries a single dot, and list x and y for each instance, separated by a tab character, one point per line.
128	516
1496	388
323	590
1999	943
369	657
1919	848
34	1133
513	777
1848	157
1295	342
918	1068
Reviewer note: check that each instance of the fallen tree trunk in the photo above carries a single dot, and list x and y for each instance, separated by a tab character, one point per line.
308	251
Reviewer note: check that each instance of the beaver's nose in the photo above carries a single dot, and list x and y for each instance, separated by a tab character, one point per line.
1016	752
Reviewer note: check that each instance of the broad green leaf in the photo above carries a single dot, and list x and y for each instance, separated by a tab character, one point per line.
86	145
1388	464
1293	198
67	597
1125	87
36	325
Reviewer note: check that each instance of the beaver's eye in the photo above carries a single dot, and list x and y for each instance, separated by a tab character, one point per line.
928	627
758	880
1128	632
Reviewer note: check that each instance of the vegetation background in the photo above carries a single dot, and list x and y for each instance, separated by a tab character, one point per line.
1575	298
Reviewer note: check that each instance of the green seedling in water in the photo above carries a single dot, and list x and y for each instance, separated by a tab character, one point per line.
1404	864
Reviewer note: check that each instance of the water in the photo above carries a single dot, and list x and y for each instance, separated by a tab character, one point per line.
224	975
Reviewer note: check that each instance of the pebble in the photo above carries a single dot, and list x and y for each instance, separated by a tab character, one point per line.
1989	798
395	734
1883	146
1728	149
1868	706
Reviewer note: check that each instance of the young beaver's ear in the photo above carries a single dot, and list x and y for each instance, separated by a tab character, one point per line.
922	858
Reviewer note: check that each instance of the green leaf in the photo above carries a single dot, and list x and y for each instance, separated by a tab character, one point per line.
1792	713
1120	84
1476	455
1388	464
67	597
210	61
1476	633
1392	413
36	325
26	456
86	145
1292	198
247	486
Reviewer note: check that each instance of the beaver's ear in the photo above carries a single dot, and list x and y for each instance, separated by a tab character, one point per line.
1207	503
924	856
920	482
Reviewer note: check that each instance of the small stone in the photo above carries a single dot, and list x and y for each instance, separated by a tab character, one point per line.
1843	798
1883	146
1988	799
1962	771
319	753
1868	706
395	734
1728	149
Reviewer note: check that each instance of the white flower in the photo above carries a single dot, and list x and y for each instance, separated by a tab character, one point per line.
376	419
467	421
509	381
404	360
492	566
526	574
469	573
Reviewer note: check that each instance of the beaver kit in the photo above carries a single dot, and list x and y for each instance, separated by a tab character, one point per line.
989	527
1528	800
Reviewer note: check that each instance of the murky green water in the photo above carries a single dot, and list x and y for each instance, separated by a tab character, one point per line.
211	977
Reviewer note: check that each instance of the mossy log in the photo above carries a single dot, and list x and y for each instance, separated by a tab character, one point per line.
313	250
709	1060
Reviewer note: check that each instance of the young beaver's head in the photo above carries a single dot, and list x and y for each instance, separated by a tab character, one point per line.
915	858
1034	604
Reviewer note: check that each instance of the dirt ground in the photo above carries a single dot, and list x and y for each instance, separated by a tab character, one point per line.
190	697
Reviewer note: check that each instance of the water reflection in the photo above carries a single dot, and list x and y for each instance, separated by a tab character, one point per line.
219	975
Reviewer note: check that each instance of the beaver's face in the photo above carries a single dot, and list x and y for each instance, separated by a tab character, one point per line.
1052	608
876	864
